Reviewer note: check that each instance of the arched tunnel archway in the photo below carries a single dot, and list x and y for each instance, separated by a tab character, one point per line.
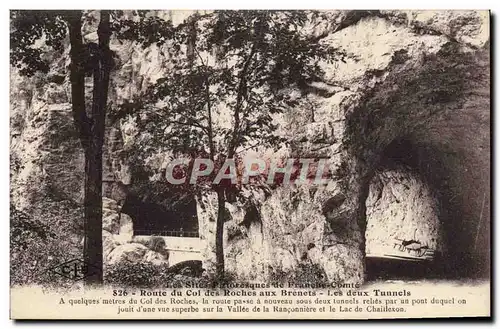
445	142
462	248
404	231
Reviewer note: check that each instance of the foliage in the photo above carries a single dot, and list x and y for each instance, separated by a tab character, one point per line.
24	228
228	82
29	26
156	243
144	29
41	240
128	274
239	62
305	273
149	275
36	34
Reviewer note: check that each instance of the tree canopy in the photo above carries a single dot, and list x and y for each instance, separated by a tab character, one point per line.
229	77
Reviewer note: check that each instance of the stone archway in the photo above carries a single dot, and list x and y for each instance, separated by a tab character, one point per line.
442	111
404	232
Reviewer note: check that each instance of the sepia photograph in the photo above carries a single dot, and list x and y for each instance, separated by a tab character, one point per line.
250	164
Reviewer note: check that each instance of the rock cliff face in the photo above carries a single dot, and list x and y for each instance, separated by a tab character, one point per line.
414	76
421	76
274	235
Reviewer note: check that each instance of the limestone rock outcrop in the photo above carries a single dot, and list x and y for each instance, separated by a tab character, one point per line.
406	72
420	75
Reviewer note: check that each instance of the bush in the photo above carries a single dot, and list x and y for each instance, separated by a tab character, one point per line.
130	274
148	275
306	273
42	240
24	228
157	243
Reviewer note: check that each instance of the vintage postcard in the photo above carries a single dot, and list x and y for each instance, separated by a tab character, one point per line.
250	164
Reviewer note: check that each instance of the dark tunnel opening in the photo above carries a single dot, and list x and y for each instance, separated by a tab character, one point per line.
463	255
155	218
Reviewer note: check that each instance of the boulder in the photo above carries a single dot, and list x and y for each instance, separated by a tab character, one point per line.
112	219
111	222
131	252
56	94
283	260
156	258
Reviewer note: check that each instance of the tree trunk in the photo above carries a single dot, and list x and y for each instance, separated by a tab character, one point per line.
219	235
77	77
92	249
93	167
91	134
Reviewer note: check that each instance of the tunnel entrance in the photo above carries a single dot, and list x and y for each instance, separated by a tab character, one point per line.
404	232
444	189
174	216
